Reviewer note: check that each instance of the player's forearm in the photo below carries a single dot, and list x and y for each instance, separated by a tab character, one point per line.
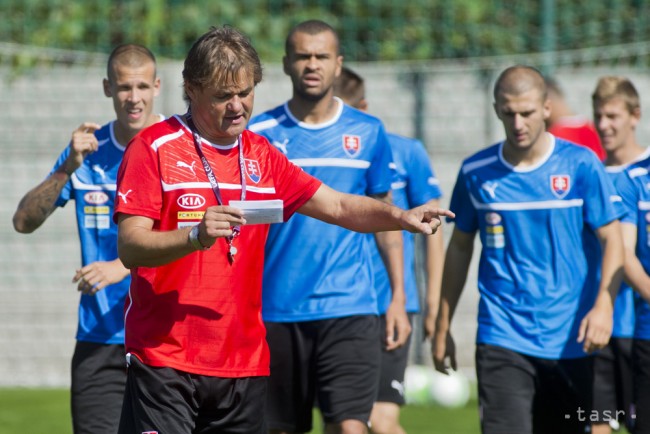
636	276
141	247
612	263
120	270
456	267
391	249
353	212
435	255
364	214
37	205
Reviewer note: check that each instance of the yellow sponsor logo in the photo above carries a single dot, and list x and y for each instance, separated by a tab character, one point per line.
190	215
96	210
494	229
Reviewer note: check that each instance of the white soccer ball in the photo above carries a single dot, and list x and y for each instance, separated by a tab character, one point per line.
418	382
451	391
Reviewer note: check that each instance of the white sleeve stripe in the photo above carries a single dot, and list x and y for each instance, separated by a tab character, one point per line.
525	206
331	162
225	186
164	139
480	163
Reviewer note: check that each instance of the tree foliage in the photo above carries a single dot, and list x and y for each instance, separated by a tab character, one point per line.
370	30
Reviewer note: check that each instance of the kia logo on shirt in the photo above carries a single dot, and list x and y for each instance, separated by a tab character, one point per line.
96	197
191	201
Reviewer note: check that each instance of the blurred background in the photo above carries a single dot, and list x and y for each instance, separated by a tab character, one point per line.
429	67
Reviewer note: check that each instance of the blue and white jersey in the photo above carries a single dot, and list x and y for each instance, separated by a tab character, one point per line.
93	188
635	192
624	305
314	270
414	184
537	279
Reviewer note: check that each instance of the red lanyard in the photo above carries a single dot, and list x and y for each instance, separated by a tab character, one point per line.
232	250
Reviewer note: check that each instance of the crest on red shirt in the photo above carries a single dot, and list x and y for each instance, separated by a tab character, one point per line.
351	144
253	171
560	185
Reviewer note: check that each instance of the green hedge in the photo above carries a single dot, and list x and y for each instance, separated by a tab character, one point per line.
370	30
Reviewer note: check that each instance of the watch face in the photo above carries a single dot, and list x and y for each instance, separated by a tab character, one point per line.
194	238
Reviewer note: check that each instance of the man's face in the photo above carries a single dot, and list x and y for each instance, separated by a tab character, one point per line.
222	111
133	90
313	63
614	123
523	117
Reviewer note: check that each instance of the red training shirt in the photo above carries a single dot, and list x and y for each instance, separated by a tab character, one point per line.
200	314
580	131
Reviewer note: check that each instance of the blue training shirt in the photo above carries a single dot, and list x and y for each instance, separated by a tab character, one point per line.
314	270
414	184
636	199
624	305
536	277
93	188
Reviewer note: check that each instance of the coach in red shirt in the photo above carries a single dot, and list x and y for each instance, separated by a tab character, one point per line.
195	339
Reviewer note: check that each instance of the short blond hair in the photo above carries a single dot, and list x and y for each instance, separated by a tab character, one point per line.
129	55
610	87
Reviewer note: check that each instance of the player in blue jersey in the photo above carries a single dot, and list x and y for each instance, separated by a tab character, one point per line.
538	203
414	184
633	188
617	115
617	112
86	172
319	301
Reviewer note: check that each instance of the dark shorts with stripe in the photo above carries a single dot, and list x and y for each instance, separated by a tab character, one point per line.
641	376
165	400
393	367
334	362
520	394
613	387
97	387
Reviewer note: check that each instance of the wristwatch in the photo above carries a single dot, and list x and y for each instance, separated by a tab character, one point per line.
194	239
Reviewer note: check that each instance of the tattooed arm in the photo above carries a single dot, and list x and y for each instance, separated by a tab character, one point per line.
37	205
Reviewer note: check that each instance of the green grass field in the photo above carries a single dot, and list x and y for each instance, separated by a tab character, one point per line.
46	411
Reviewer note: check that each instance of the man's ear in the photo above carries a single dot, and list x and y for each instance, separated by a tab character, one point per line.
156	86
189	90
285	65
107	88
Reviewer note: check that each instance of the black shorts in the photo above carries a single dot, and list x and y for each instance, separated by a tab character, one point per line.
613	387
641	370
393	366
335	361
521	394
98	378
166	400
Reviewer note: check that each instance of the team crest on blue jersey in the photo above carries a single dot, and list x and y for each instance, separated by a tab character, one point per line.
351	144
253	170
560	185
